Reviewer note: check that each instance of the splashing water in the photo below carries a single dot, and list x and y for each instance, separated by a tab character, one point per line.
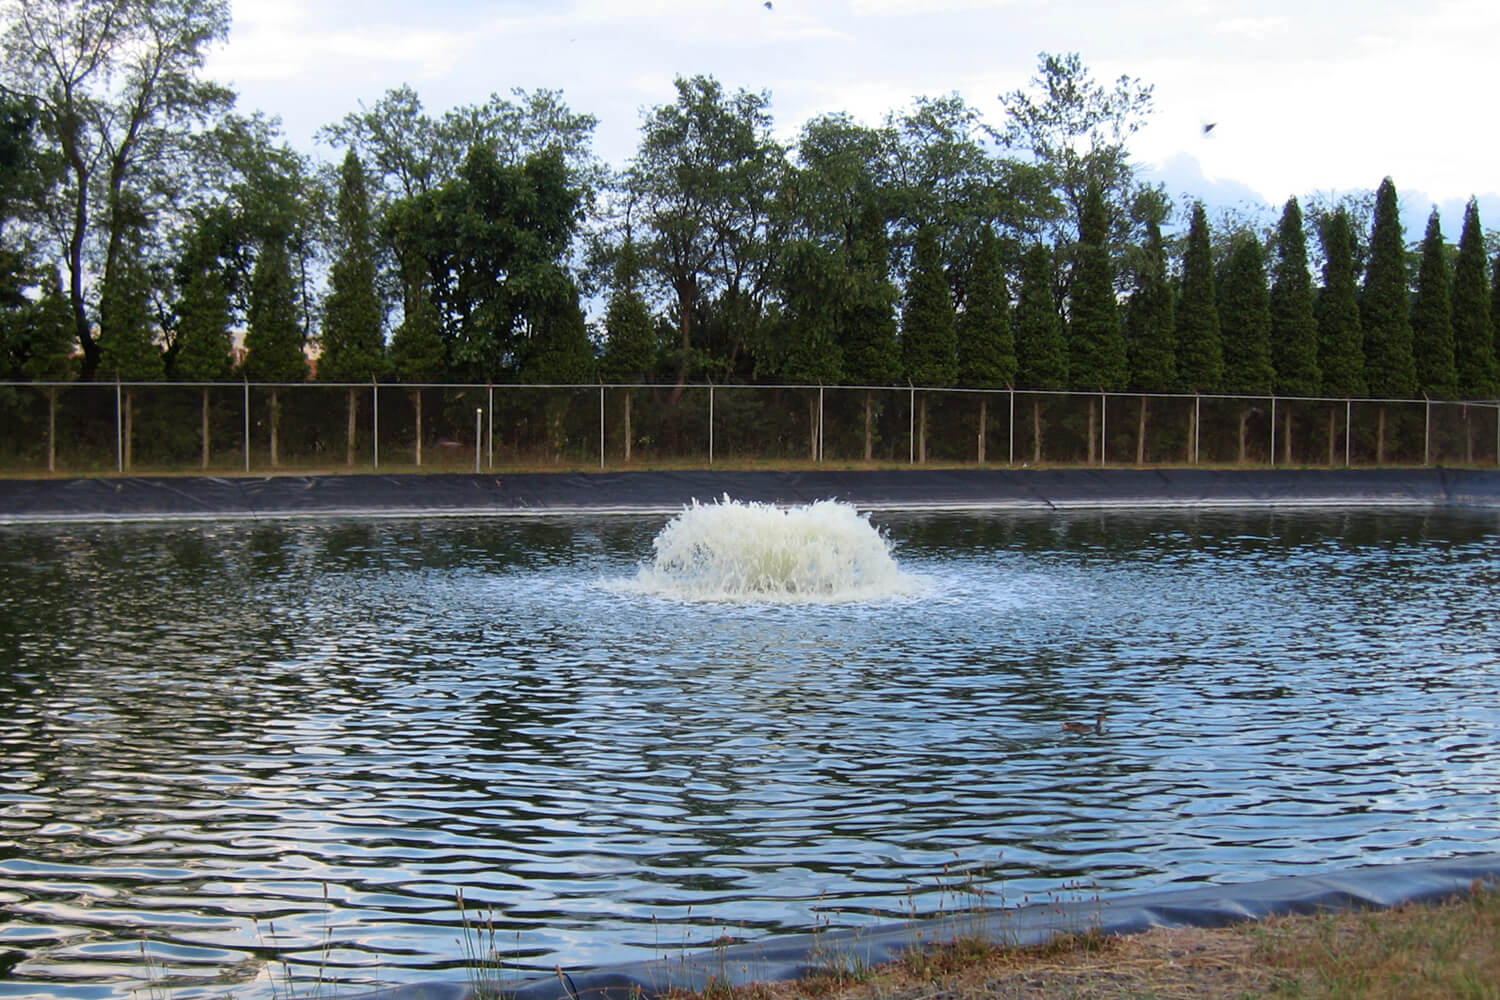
825	552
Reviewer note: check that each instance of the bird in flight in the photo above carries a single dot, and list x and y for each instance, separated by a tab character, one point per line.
1209	127
767	5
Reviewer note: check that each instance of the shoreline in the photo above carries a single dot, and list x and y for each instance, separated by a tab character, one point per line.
449	495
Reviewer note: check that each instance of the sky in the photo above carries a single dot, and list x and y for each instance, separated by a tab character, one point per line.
1307	97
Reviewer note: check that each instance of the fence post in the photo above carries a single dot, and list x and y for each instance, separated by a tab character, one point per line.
1103	429
820	421
119	430
1426	431
1273	432
601	425
245	412
489	425
375	419
710	425
911	425
1349	431
478	435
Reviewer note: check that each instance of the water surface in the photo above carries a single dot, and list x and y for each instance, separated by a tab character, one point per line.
262	748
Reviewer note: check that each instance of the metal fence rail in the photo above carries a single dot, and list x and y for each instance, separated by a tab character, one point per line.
122	427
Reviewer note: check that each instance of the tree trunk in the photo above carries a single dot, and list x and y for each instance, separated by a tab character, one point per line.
922	431
353	409
812	428
1036	430
869	425
52	428
129	424
627	425
1244	446
1332	434
1380	436
984	405
203	431
1286	439
1192	436
1093	430
1140	433
275	425
1468	436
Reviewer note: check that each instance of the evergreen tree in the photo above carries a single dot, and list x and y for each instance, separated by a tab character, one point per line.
1294	322
1432	318
201	351
1245	318
1041	347
1149	320
986	343
1150	336
1200	351
1341	358
274	342
1245	312
929	345
1473	341
1096	345
418	351
629	335
868	332
1383	309
353	340
353	316
1385	313
128	351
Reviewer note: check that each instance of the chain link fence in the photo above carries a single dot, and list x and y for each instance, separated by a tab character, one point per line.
73	428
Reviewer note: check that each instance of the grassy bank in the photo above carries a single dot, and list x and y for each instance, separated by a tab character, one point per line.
1411	952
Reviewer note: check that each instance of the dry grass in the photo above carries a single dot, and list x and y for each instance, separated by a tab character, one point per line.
1411	952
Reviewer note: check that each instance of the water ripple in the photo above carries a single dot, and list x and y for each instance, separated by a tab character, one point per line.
291	745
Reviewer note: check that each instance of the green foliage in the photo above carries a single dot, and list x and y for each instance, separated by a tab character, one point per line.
201	349
353	316
868	331
491	243
705	181
1340	338
1077	129
1200	351
120	108
629	333
274	342
127	340
803	346
37	338
929	344
418	353
1245	315
559	350
1390	368
1096	344
1150	336
1473	339
986	343
1432	318
1041	348
1294	322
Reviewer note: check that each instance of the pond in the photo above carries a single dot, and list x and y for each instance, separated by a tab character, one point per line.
238	751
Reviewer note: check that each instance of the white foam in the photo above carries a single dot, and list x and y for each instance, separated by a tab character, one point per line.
822	553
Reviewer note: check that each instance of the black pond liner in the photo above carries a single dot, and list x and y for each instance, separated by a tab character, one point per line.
797	956
147	498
